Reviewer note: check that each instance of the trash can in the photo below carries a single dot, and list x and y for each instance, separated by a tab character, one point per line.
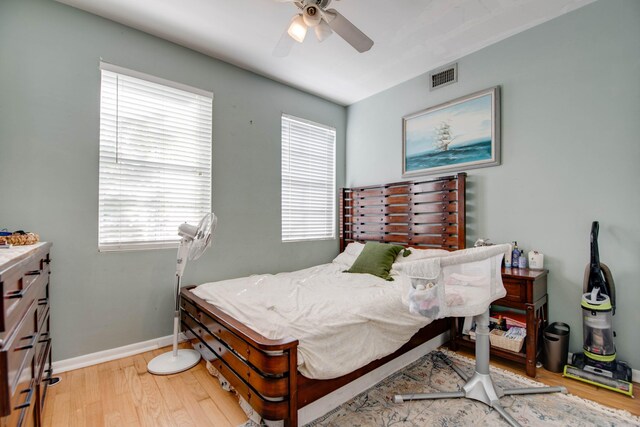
556	346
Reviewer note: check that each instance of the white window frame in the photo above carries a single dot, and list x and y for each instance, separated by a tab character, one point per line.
113	168
326	228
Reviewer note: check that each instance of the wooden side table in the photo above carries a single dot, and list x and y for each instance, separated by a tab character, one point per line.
526	290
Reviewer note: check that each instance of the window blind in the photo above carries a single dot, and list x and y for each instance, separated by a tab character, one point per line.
155	159
308	180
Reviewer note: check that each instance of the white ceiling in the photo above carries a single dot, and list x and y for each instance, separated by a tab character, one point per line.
411	36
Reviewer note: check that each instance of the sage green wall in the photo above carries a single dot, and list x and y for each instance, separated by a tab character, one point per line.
570	151
49	119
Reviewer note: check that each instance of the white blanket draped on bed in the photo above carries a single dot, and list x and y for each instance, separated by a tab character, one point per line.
344	321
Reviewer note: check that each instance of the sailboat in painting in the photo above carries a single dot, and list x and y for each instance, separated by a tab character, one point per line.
443	136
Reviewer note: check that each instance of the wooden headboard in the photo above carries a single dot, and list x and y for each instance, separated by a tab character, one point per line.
429	214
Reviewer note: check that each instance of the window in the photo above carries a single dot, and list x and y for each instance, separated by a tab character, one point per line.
155	159
308	180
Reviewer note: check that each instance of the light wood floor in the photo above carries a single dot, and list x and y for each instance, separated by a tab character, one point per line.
123	393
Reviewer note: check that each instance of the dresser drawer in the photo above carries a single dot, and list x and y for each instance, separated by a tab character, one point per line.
44	379
42	304
16	358
516	290
20	285
42	345
23	404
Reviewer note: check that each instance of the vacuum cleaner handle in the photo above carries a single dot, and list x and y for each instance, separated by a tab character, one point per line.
595	256
599	275
596	278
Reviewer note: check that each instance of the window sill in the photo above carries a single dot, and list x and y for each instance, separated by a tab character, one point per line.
309	240
129	247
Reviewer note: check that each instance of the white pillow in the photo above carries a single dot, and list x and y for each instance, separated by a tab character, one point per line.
350	254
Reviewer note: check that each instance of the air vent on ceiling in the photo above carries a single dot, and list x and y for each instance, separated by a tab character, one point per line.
443	76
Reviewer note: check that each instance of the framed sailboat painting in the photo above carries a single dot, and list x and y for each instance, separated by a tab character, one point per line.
455	136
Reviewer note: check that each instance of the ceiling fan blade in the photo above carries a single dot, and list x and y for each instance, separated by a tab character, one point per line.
323	31
298	3
283	48
349	32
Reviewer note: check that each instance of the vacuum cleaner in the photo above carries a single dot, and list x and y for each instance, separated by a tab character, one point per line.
597	364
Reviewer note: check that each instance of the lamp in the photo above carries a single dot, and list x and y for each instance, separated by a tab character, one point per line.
297	29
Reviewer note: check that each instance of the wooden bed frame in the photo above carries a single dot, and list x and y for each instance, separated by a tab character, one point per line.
428	214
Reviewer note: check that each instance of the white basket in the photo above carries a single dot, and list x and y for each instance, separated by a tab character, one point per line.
497	339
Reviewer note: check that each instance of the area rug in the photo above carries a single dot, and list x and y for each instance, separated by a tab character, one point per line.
374	408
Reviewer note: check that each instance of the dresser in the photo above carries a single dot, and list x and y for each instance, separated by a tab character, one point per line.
25	342
527	291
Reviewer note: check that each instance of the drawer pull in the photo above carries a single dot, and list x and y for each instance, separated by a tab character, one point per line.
33	339
33	273
43	301
15	294
27	401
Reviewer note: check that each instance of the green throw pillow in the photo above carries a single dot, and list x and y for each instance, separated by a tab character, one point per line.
376	258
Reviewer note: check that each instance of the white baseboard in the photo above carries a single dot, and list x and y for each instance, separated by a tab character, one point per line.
112	354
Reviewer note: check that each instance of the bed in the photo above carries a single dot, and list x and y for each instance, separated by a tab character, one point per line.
263	371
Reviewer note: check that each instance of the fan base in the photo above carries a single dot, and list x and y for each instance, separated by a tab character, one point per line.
167	364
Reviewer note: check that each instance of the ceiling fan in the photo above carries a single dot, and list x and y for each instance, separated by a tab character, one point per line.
314	14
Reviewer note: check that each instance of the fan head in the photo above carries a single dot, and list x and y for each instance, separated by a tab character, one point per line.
202	235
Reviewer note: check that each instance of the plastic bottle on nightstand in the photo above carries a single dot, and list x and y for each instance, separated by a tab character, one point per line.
515	255
522	261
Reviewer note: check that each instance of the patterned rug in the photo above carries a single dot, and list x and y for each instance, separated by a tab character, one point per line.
374	408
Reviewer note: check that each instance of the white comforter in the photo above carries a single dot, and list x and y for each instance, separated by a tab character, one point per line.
342	321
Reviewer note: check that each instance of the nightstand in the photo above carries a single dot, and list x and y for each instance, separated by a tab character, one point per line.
526	290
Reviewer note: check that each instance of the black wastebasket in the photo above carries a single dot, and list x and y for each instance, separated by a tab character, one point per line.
556	346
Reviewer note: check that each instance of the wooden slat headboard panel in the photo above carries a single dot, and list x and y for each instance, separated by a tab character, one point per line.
429	214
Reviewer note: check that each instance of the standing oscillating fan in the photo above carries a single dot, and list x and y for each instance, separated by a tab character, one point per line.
195	240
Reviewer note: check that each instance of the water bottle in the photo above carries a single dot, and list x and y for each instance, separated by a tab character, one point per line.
515	255
522	261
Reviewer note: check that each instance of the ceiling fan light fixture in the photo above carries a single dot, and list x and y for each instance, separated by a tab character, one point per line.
297	29
311	15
